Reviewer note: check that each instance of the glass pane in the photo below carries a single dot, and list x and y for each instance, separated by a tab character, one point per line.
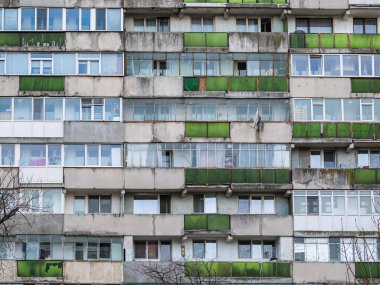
352	205
210	204
10	19
93	155
339	205
300	65
105	204
326	205
365	205
244	204
7	154
165	251
350	65
244	249
72	111
321	26
114	19
333	110
92	250
74	155
53	109
316	65
351	110
366	65
32	155
140	249
269	205
145	205
72	19
86	19
79	205
312	205
104	250
210	250
152	249
332	65
22	109
41	19
198	249
54	154
27	19
55	19
100	19
256	205
93	204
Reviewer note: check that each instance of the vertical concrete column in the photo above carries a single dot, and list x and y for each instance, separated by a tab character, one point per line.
128	247
285	248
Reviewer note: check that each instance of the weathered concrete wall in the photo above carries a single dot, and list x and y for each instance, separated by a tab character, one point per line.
269	133
322	178
154	132
261	225
157	86
321	272
94	132
93	272
319	4
93	178
93	86
258	42
9	85
317	87
8	271
135	225
153	42
94	41
40	224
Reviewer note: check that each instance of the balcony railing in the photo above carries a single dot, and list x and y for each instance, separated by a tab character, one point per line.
236	84
240	269
32	39
228	176
365	85
39	268
367	270
42	83
207	222
206	40
369	131
207	130
352	41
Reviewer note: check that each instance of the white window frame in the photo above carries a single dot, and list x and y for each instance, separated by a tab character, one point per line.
41	61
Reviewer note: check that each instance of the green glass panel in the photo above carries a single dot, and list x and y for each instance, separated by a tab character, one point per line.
50	83
30	83
237	84
216	84
221	269
252	269
283	270
237	1
251	84
216	1
3	39
37	268
329	130
343	130
361	86
195	222
376	85
195	130
362	131
43	39
238	176
238	269
341	40
313	130
218	222
282	176
253	176
366	270
268	269
327	40
299	130
218	176
194	39
279	1
217	39
376	128
218	130
269	176
280	84
365	176
378	176
196	176
12	39
265	84
191	84
199	269
376	41
360	41
51	268
297	40
312	40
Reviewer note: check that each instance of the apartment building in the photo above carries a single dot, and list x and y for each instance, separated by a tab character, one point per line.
243	133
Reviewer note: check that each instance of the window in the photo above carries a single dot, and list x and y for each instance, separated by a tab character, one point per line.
247	25
100	19
314	25
266	25
92	109
316	65
368	159
204	249
10	19
85	19
300	65
365	26
114	19
55	19
152	204
258	205
41	63
5	109
72	19
54	155
79	205
205	203
99	204
167	158
322	159
149	249
257	250
241	68
350	65
7	154
74	155
27	19
161	24
159	68
42	19
312	205
53	109
202	25
88	64
331	65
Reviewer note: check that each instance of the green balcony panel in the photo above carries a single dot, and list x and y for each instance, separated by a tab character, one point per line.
194	39
196	176
218	130
376	85
218	222
218	176
283	270
329	130
197	269
237	84
268	269
360	41
42	83
282	176
237	1
376	41
367	270
252	176
376	128
39	268
221	269
43	39
238	269
216	1
252	269
299	130
280	84
378	176
248	1
313	130
343	130
362	131
195	222
297	40
326	40
51	268
250	84
238	176
312	40
361	85
365	176
265	84
341	41
279	1
217	39
10	39
268	176
216	84
191	84
195	130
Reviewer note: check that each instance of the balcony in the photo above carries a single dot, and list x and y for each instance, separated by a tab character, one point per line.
359	85
39	268
367	270
241	269
210	40
235	84
33	40
335	41
311	178
367	176
210	222
41	83
207	130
